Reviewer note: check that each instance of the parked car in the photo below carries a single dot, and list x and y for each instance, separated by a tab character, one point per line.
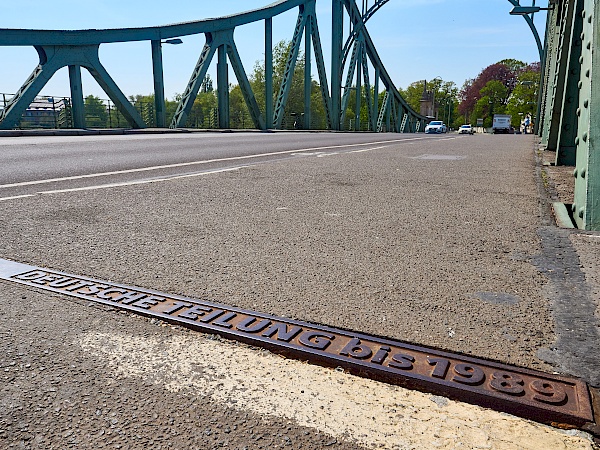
436	126
466	129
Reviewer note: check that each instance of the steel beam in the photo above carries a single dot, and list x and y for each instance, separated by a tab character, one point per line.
11	115
77	96
242	78
223	86
316	39
337	26
586	205
159	84
290	65
53	58
565	154
191	91
269	73
307	73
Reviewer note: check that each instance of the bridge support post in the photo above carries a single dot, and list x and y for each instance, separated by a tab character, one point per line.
77	97
337	25
269	73
307	73
565	152
159	84
586	205
223	87
55	57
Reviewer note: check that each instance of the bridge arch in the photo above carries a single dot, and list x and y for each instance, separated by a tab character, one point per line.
79	48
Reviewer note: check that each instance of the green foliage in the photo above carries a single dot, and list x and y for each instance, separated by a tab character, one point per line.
295	101
96	115
522	101
446	99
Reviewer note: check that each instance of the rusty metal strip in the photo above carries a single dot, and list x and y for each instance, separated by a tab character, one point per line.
546	398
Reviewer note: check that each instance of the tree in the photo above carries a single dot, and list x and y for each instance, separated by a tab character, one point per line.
445	96
471	91
523	99
295	101
96	114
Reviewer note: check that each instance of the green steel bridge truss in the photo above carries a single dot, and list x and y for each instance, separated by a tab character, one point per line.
80	48
569	121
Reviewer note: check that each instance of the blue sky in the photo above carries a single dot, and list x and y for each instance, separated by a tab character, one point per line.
416	39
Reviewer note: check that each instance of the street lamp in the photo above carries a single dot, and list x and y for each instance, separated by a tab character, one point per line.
527	12
159	84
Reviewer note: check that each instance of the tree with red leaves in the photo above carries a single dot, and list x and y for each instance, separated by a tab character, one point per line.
506	72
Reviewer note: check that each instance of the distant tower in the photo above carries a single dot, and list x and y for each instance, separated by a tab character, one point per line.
427	102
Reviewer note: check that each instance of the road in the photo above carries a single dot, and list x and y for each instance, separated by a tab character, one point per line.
32	165
442	241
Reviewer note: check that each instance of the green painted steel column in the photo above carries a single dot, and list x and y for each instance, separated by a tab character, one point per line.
358	90
159	84
551	62
307	73
337	25
565	154
376	98
223	87
77	96
586	205
563	44
269	73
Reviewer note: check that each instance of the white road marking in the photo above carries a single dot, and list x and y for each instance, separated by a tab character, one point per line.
132	183
368	149
192	163
16	197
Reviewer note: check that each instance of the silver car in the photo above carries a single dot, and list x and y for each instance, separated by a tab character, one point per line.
436	126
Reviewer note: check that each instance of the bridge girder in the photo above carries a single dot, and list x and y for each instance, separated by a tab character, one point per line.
79	48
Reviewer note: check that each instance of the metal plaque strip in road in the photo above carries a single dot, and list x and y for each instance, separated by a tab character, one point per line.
535	395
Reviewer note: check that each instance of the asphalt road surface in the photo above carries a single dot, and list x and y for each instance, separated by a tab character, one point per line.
444	241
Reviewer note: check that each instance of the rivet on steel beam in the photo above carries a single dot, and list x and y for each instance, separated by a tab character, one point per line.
584	137
579	84
578	111
581	211
577	139
583	13
581	60
590	19
575	172
589	45
586	102
587	73
582	35
583	172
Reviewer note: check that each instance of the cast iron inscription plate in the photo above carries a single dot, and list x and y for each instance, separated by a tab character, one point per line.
535	395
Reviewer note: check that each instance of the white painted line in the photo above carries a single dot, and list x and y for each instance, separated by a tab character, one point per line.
16	197
368	149
132	183
192	163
